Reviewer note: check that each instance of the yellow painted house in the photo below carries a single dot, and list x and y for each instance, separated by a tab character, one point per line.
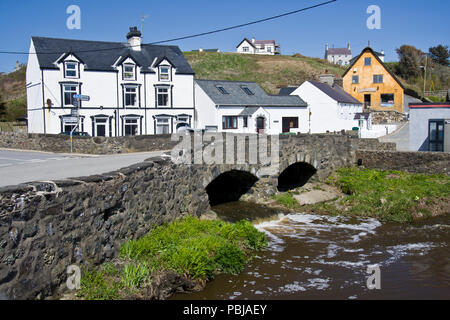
369	80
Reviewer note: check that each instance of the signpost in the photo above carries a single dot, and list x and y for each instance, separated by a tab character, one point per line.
76	115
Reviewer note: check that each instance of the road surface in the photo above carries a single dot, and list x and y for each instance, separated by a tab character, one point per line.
400	137
26	166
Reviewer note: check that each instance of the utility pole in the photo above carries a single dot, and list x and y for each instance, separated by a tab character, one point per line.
425	76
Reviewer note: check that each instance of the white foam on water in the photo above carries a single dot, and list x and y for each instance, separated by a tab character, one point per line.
292	287
402	250
318	283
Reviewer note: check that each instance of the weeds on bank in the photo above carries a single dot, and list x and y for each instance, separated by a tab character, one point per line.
191	247
386	195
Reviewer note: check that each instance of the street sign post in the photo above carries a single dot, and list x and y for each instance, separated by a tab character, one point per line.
77	99
80	97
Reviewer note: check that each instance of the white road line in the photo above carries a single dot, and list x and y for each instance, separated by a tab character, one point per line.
12	159
6	165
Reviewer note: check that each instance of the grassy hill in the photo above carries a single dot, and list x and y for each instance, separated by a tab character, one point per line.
13	93
270	72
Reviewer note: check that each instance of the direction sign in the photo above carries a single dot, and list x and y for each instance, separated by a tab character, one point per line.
81	97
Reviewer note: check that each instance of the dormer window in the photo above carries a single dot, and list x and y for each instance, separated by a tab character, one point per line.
164	73
70	69
129	72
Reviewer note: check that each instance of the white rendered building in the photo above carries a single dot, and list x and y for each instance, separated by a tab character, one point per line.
265	47
244	107
331	108
134	89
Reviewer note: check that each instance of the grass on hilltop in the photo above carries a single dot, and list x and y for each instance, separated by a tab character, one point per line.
270	72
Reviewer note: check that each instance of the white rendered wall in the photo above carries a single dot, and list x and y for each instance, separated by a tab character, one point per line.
327	114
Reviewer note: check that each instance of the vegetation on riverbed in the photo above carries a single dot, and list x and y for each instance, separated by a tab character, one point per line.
193	248
385	195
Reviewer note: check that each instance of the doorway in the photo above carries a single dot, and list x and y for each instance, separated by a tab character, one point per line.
260	124
367	101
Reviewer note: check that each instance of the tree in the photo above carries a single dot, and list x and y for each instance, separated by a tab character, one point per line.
411	60
440	54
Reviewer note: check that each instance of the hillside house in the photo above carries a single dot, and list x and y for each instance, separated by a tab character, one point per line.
339	56
368	80
134	89
244	107
265	47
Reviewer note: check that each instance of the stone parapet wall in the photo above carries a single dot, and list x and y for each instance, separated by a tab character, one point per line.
45	227
85	145
414	162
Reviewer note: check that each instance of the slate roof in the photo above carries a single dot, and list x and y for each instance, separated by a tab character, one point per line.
286	91
335	92
248	111
50	49
237	97
360	115
338	51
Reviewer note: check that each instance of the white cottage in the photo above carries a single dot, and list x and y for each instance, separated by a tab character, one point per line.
331	108
244	107
134	88
265	47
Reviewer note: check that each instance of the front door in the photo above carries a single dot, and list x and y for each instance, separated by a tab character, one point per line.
260	124
436	136
367	100
101	130
286	125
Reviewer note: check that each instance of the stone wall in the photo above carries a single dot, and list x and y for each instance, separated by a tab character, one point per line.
387	117
85	145
414	162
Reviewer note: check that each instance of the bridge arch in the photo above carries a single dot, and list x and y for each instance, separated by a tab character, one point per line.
296	175
230	186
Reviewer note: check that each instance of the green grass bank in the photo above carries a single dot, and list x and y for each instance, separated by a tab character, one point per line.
193	249
386	195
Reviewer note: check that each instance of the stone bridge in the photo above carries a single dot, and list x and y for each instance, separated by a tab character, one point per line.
47	226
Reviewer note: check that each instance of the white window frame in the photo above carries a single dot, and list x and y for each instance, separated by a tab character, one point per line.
66	63
136	100
168	104
166	76
163	122
77	90
133	72
101	121
130	121
245	49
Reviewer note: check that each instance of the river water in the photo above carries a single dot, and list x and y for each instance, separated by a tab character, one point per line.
324	257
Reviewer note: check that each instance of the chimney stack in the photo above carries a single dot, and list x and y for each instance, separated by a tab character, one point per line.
327	78
134	38
253	40
348	47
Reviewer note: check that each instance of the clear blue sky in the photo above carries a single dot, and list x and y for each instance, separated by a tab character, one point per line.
419	23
